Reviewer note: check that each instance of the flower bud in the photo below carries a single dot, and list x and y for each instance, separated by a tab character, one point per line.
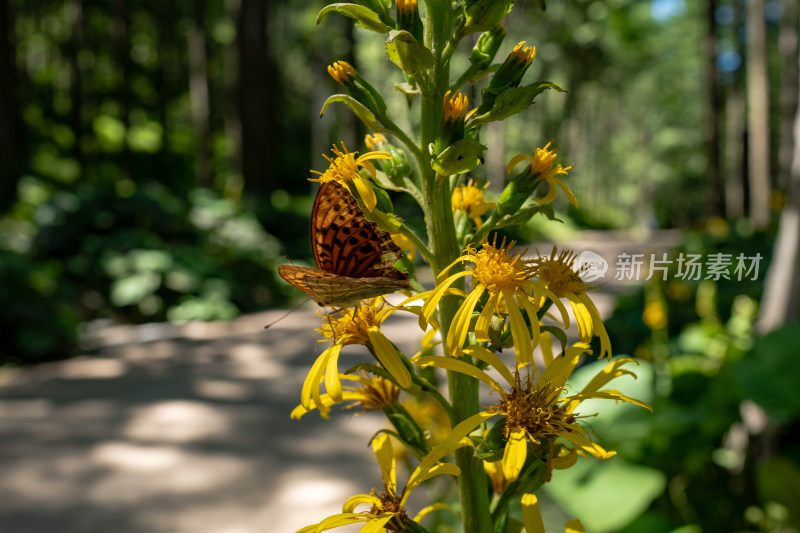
357	87
481	15
508	75
408	18
395	168
451	128
486	48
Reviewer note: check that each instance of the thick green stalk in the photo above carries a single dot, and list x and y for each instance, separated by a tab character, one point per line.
463	389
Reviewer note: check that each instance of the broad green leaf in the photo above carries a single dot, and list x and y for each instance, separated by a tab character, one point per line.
583	491
515	99
458	158
407	53
364	16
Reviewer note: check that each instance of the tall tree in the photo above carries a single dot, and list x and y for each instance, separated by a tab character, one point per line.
198	94
714	185
122	50
74	16
757	114
259	95
10	122
787	46
781	301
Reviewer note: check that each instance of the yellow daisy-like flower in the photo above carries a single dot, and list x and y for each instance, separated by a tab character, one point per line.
387	507
358	325
558	272
374	394
471	199
535	409
544	169
344	169
500	272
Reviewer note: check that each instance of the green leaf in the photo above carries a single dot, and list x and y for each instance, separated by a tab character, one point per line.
583	491
513	100
407	53
364	16
458	158
557	333
366	116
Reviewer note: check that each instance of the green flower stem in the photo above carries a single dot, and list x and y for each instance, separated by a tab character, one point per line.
421	246
463	389
436	395
398	132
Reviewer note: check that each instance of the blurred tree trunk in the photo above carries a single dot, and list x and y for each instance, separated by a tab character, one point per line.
787	46
781	302
735	160
757	115
10	121
714	186
735	153
74	16
198	95
165	80
259	97
122	49
233	122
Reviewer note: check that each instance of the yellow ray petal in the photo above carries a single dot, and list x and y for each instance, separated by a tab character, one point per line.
482	354
388	356
514	454
531	515
384	452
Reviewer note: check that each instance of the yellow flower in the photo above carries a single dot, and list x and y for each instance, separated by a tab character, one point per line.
654	315
471	199
455	107
358	325
374	394
558	272
500	272
543	169
344	169
522	55
387	508
342	71
534	407
374	140
406	6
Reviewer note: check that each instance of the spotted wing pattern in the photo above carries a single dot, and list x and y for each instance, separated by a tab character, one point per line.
354	257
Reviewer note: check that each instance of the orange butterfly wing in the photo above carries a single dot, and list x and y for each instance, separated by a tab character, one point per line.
354	257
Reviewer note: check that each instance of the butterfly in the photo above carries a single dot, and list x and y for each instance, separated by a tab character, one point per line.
354	258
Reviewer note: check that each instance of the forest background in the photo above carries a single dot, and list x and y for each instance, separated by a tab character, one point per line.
154	159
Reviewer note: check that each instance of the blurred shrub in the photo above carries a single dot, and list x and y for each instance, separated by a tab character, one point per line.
135	254
726	410
37	321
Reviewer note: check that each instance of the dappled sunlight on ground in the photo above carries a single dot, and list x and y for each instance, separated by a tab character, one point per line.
162	428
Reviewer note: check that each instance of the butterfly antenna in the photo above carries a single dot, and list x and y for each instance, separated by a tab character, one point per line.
287	313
